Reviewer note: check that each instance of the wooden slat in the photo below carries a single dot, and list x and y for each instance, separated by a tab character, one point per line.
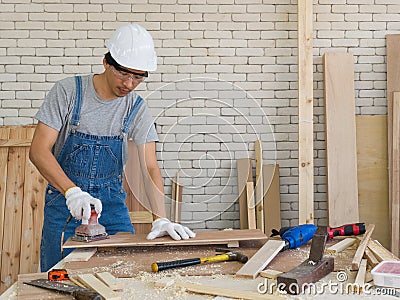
15	142
244	175
202	238
260	259
32	218
81	254
372	174
371	258
380	252
14	198
259	185
360	278
361	247
392	81
4	134
251	209
141	217
341	156
395	201
94	283
272	198
176	199
342	245
109	280
306	138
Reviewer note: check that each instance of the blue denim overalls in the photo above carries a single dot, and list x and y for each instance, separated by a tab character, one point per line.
94	163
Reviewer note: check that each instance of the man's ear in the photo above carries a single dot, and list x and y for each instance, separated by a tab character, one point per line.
105	64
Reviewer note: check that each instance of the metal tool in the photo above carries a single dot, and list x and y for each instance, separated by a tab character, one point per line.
57	275
77	292
93	231
312	269
227	256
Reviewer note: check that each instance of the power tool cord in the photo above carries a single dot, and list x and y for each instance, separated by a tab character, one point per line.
62	234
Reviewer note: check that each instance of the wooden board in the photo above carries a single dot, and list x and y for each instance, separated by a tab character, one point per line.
259	185
261	259
244	175
272	198
306	102
361	247
341	156
251	208
372	174
92	282
340	246
202	238
380	252
395	201
176	200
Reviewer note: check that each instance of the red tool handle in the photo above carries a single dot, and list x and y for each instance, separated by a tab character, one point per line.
348	229
57	274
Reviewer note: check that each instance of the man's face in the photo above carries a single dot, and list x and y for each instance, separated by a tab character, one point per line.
123	80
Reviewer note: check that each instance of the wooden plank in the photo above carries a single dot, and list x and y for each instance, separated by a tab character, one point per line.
202	238
224	292
261	259
4	134
371	258
12	221
271	274
372	174
361	247
244	175
4	142
360	278
141	217
380	252
392	81
176	200
342	245
395	192
259	185
81	254
32	213
341	156
94	283
305	91
109	280
272	198
136	199
251	209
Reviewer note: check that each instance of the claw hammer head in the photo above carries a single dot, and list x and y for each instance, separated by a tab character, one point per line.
234	255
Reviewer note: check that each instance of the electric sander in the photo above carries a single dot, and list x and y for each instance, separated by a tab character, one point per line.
91	230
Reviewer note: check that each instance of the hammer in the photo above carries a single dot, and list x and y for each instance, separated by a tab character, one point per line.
227	256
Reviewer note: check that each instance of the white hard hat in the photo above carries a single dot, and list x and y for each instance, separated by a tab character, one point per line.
132	47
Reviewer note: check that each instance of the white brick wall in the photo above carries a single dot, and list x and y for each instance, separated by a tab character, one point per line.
226	76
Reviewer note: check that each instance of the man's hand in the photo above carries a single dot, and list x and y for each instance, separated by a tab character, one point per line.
78	201
162	227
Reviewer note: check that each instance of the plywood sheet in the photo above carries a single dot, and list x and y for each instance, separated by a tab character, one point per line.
342	191
272	198
202	238
372	174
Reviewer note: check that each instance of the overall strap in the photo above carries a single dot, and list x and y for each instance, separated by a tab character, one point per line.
131	116
78	103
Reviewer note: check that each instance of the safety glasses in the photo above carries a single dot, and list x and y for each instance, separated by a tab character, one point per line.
124	74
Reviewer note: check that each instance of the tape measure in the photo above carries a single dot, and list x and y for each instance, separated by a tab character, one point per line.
57	274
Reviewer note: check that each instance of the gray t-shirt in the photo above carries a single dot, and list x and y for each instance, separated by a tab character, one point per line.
98	117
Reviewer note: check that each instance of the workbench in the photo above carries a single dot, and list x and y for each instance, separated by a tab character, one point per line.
132	267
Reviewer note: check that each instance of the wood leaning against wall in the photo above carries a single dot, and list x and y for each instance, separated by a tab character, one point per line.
22	191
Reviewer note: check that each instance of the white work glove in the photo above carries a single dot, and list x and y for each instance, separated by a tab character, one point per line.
162	227
78	203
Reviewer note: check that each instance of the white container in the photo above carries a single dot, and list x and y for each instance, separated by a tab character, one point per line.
387	273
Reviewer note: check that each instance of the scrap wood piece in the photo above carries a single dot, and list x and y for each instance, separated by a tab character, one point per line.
380	252
371	258
342	245
244	175
217	291
361	247
176	199
217	237
360	278
259	185
94	283
271	274
109	280
341	154
81	254
251	209
272	197
260	259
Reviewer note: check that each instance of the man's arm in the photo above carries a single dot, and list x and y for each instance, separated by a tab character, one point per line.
152	178
41	156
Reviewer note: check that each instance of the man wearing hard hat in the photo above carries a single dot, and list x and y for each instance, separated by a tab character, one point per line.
80	145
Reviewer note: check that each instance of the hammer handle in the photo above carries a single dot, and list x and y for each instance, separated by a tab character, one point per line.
159	266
